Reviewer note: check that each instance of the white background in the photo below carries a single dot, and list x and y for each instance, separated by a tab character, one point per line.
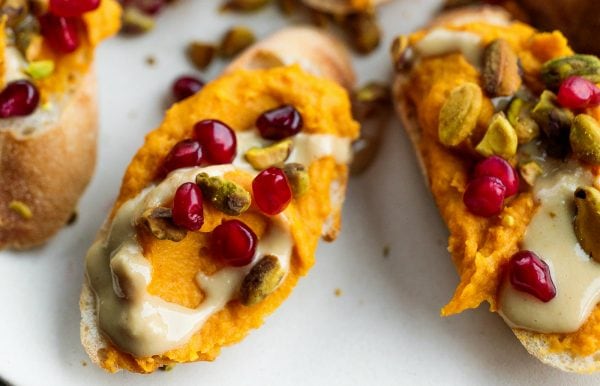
384	329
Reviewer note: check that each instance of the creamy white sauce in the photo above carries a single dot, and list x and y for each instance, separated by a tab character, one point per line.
118	272
552	237
441	41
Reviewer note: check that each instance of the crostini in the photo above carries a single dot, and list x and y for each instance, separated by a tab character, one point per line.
48	112
504	121
221	210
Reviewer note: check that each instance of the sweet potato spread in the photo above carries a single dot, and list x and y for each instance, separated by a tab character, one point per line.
237	99
481	246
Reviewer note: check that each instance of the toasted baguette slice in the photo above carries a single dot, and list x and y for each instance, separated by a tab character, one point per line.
317	53
537	344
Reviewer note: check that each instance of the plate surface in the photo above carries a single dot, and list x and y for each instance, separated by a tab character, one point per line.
384	328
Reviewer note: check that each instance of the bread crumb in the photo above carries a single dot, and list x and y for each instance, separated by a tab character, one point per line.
150	60
338	292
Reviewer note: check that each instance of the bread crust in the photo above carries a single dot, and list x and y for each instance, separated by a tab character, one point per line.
536	344
322	55
48	170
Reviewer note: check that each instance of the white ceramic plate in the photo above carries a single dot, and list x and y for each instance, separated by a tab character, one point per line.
384	329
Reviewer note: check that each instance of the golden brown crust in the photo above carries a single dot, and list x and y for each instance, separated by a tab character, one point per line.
535	343
48	170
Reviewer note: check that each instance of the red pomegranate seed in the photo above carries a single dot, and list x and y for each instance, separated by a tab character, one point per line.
187	207
495	166
184	154
62	33
271	190
485	196
19	98
529	273
279	123
234	243
72	8
186	86
578	93
218	141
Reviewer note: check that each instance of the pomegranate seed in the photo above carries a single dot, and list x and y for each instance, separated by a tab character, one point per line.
578	93
218	141
234	243
184	154
529	273
186	86
72	8
485	196
272	192
187	207
61	32
19	98
279	123
495	166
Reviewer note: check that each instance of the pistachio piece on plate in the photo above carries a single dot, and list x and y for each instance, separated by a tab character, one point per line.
40	69
201	54
459	113
500	138
235	40
556	70
159	221
261	281
245	5
585	138
501	74
519	116
364	31
298	178
135	21
587	220
555	122
273	155
226	196
530	171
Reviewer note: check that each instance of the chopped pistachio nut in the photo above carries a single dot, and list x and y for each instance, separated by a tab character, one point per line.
135	21
530	171
401	53
364	31
261	281
372	92
226	196
40	69
585	138
501	74
235	40
201	54
245	5
21	208
587	220
555	123
298	178
159	221
28	38
14	11
519	116
556	70
500	138
273	155
459	113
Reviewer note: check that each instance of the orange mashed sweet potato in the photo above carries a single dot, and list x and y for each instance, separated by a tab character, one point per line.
481	246
237	99
70	68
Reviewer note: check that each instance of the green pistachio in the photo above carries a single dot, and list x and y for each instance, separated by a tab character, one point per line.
27	36
530	171
235	40
14	11
159	221
585	138
298	178
555	122
262	280
226	196
519	116
501	74
401	53
245	5
201	54
500	138
556	70
587	220
458	115
135	21
21	208
40	69
364	31
274	155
